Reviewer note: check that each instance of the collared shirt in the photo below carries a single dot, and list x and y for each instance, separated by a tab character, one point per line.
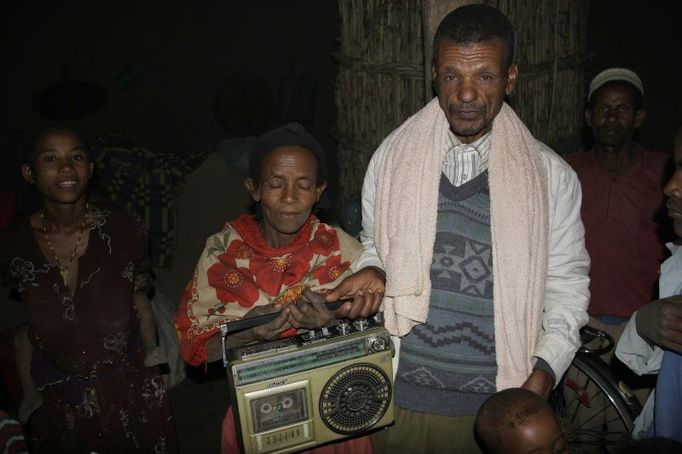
623	230
463	162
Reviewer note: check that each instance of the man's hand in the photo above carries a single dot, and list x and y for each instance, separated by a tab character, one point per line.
365	287
540	382
660	323
309	311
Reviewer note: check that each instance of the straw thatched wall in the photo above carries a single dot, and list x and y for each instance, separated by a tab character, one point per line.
380	81
551	54
382	68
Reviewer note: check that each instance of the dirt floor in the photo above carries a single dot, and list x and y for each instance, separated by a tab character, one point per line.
199	403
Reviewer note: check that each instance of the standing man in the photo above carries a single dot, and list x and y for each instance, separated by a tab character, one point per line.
477	226
622	200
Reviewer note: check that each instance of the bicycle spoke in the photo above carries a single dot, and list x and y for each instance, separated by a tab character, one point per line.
594	416
596	413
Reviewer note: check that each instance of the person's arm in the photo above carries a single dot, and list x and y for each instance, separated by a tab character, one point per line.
540	382
660	323
636	352
567	281
369	256
366	285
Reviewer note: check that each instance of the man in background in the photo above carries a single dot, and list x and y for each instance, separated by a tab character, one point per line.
622	202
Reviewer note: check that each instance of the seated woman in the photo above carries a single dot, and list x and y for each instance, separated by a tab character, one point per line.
262	264
76	265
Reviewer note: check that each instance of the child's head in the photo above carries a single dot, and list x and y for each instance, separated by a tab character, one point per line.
516	421
36	140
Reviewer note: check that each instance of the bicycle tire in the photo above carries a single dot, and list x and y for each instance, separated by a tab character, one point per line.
603	435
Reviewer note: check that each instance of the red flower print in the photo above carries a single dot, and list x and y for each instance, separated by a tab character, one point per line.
268	272
219	307
279	264
330	270
240	250
227	260
233	284
325	241
271	272
299	266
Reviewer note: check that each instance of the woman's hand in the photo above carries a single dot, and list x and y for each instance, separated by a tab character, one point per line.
365	287
270	330
309	311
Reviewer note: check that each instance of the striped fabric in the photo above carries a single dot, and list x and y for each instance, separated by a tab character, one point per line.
146	182
12	439
464	162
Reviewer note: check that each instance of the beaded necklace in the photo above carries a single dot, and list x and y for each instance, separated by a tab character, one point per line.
64	270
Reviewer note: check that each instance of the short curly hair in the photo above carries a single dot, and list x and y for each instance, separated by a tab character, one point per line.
30	141
505	410
476	23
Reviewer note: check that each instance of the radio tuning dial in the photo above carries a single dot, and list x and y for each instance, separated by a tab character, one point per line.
360	324
343	327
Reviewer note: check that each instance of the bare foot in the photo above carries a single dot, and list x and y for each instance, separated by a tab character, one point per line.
155	357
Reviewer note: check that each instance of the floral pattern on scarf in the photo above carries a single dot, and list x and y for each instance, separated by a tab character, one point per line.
238	271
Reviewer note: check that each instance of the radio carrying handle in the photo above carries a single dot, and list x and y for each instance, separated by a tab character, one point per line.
251	322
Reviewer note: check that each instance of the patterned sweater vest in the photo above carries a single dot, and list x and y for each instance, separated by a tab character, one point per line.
447	365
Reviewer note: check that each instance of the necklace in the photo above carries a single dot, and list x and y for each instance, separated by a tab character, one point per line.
64	270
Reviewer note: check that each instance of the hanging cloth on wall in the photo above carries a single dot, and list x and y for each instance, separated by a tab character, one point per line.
146	182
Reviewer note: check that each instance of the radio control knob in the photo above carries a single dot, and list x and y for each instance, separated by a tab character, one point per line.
379	344
378	318
325	332
343	327
360	324
311	334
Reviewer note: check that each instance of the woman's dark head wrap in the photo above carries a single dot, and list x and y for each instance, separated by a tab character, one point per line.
288	135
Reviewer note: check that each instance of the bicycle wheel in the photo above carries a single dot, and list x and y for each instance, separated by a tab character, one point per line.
597	413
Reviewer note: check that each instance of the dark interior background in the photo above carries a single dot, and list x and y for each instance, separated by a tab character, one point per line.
180	53
162	62
645	37
176	54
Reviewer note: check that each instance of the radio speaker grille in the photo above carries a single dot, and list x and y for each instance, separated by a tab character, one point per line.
355	398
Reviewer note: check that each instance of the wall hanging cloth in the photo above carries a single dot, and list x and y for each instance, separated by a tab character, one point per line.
146	182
